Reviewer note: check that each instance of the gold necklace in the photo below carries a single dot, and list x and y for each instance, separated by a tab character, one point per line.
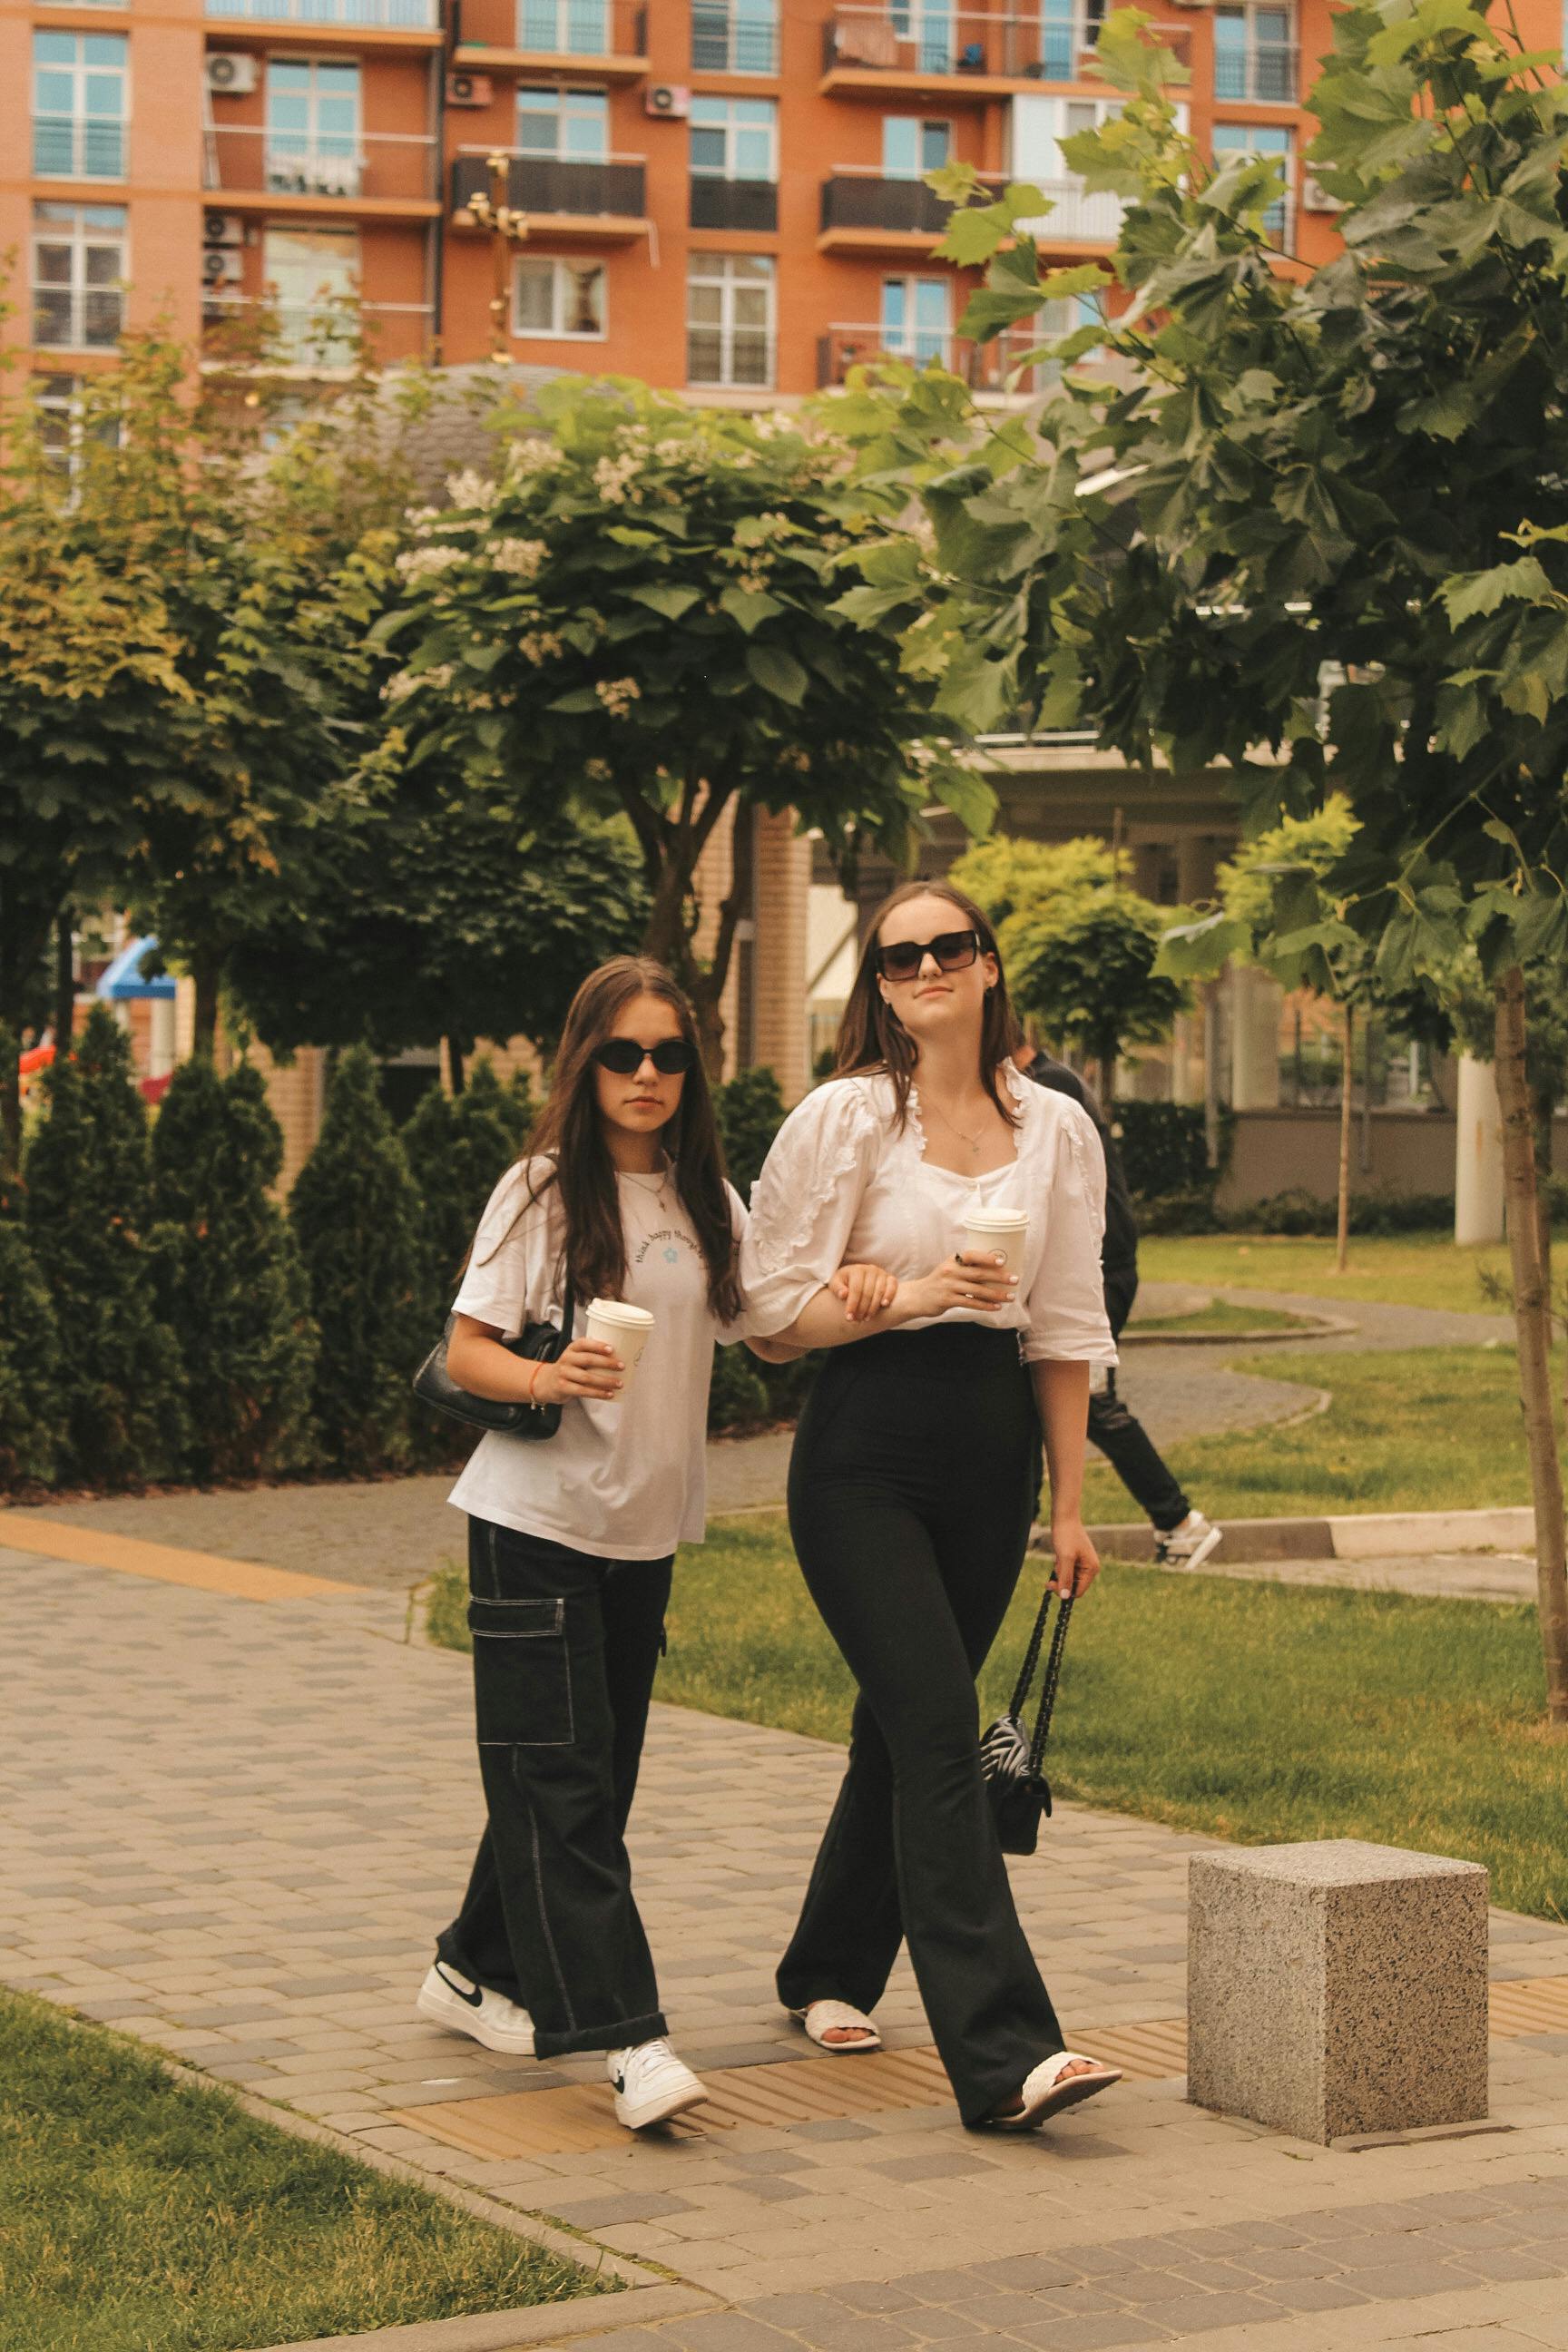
976	1142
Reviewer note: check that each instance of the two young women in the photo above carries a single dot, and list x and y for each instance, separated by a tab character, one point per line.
911	1489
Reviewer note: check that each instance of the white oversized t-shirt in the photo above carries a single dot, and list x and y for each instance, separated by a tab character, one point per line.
625	1480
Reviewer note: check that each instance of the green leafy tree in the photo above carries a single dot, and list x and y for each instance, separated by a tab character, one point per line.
355	1215
1322	539
89	1212
30	1401
750	1110
231	1286
643	619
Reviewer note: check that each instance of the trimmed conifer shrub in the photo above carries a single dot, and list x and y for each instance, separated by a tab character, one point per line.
230	1285
457	1149
88	1212
750	1110
356	1217
30	1401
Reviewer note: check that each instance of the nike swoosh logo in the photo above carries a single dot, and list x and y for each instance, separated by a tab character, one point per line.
474	2000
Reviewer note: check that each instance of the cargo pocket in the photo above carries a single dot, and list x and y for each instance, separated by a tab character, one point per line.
523	1675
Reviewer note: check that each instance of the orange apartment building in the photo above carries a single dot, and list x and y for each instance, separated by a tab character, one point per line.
722	196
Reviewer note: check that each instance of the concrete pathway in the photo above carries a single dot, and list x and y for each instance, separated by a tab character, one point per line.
233	1825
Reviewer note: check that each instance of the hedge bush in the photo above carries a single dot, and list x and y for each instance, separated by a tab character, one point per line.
89	1213
230	1285
30	1401
356	1216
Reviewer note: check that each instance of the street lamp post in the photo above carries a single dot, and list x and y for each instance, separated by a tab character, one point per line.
508	230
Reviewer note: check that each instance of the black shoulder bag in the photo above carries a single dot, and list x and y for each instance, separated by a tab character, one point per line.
541	1342
1010	1756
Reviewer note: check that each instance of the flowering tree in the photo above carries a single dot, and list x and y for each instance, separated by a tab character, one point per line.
641	617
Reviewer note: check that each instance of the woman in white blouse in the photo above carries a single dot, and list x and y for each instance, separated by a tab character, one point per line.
915	1470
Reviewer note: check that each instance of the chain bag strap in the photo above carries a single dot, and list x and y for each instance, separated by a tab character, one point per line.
1010	1754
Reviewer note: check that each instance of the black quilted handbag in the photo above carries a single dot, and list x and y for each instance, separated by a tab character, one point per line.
1010	1754
541	1342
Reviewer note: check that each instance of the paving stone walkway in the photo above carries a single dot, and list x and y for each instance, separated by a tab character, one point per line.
234	1826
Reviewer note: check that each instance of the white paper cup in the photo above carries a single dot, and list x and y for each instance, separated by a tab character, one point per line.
625	1328
999	1232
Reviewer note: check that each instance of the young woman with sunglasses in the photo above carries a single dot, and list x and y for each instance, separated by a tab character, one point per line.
621	1195
915	1470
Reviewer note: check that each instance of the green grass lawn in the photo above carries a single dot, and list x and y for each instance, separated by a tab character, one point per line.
1412	1270
1421	1429
1221	1318
1256	1711
140	2214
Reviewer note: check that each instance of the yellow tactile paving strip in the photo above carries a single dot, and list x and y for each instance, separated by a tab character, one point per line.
240	1580
806	2090
799	2090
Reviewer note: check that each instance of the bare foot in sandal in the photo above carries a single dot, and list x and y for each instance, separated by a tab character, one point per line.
837	2025
1057	2083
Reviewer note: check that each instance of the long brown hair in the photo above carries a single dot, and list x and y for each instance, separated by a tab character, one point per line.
568	1138
872	1038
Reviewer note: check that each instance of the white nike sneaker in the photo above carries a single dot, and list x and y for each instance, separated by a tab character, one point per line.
1189	1545
462	2007
651	2084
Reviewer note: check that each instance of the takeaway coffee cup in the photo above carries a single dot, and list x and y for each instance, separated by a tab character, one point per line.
1002	1230
625	1328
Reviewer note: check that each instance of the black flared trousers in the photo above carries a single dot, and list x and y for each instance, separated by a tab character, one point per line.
911	1491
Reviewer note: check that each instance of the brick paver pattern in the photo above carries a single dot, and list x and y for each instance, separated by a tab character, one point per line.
234	1827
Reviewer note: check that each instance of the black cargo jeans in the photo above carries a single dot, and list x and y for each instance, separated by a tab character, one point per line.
566	1645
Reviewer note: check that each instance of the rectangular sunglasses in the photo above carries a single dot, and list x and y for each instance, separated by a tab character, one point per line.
953	951
672	1057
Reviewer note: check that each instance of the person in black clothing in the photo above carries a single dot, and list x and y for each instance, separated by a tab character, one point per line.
1183	1536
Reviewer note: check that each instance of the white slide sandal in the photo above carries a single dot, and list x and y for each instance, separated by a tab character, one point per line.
820	2017
1047	2089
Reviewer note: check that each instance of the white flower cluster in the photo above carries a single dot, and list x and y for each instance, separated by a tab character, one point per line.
534	455
617	694
521	557
409	681
776	421
612	477
472	488
538	646
424	562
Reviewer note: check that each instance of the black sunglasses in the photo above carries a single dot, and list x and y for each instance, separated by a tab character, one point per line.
954	950
672	1057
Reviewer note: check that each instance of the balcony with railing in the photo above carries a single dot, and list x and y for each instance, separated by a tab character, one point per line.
603	201
1263	74
404	18
867	212
1000	369
371	171
78	147
608	38
732	36
750	205
246	331
901	46
77	318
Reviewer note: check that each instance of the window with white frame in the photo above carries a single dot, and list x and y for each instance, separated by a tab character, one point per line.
735	36
735	139
573	125
916	319
1254	56
1261	139
312	281
559	300
911	146
576	28
63	424
1068	28
730	319
79	259
312	127
80	85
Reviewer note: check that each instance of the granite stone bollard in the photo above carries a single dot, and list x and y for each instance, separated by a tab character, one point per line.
1336	1989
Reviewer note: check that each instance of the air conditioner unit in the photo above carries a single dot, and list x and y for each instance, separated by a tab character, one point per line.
223	228
670	99
230	73
221	266
1315	197
469	90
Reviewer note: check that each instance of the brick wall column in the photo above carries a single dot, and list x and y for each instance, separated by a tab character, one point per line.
783	887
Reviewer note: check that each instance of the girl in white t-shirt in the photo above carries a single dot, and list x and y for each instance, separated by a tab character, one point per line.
571	1540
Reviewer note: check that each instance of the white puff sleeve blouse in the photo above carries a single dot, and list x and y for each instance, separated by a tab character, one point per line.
842	1182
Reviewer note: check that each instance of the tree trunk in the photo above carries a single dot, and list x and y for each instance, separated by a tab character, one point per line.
1347	1089
668	932
1532	1325
1544	1107
205	972
64	982
457	1052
